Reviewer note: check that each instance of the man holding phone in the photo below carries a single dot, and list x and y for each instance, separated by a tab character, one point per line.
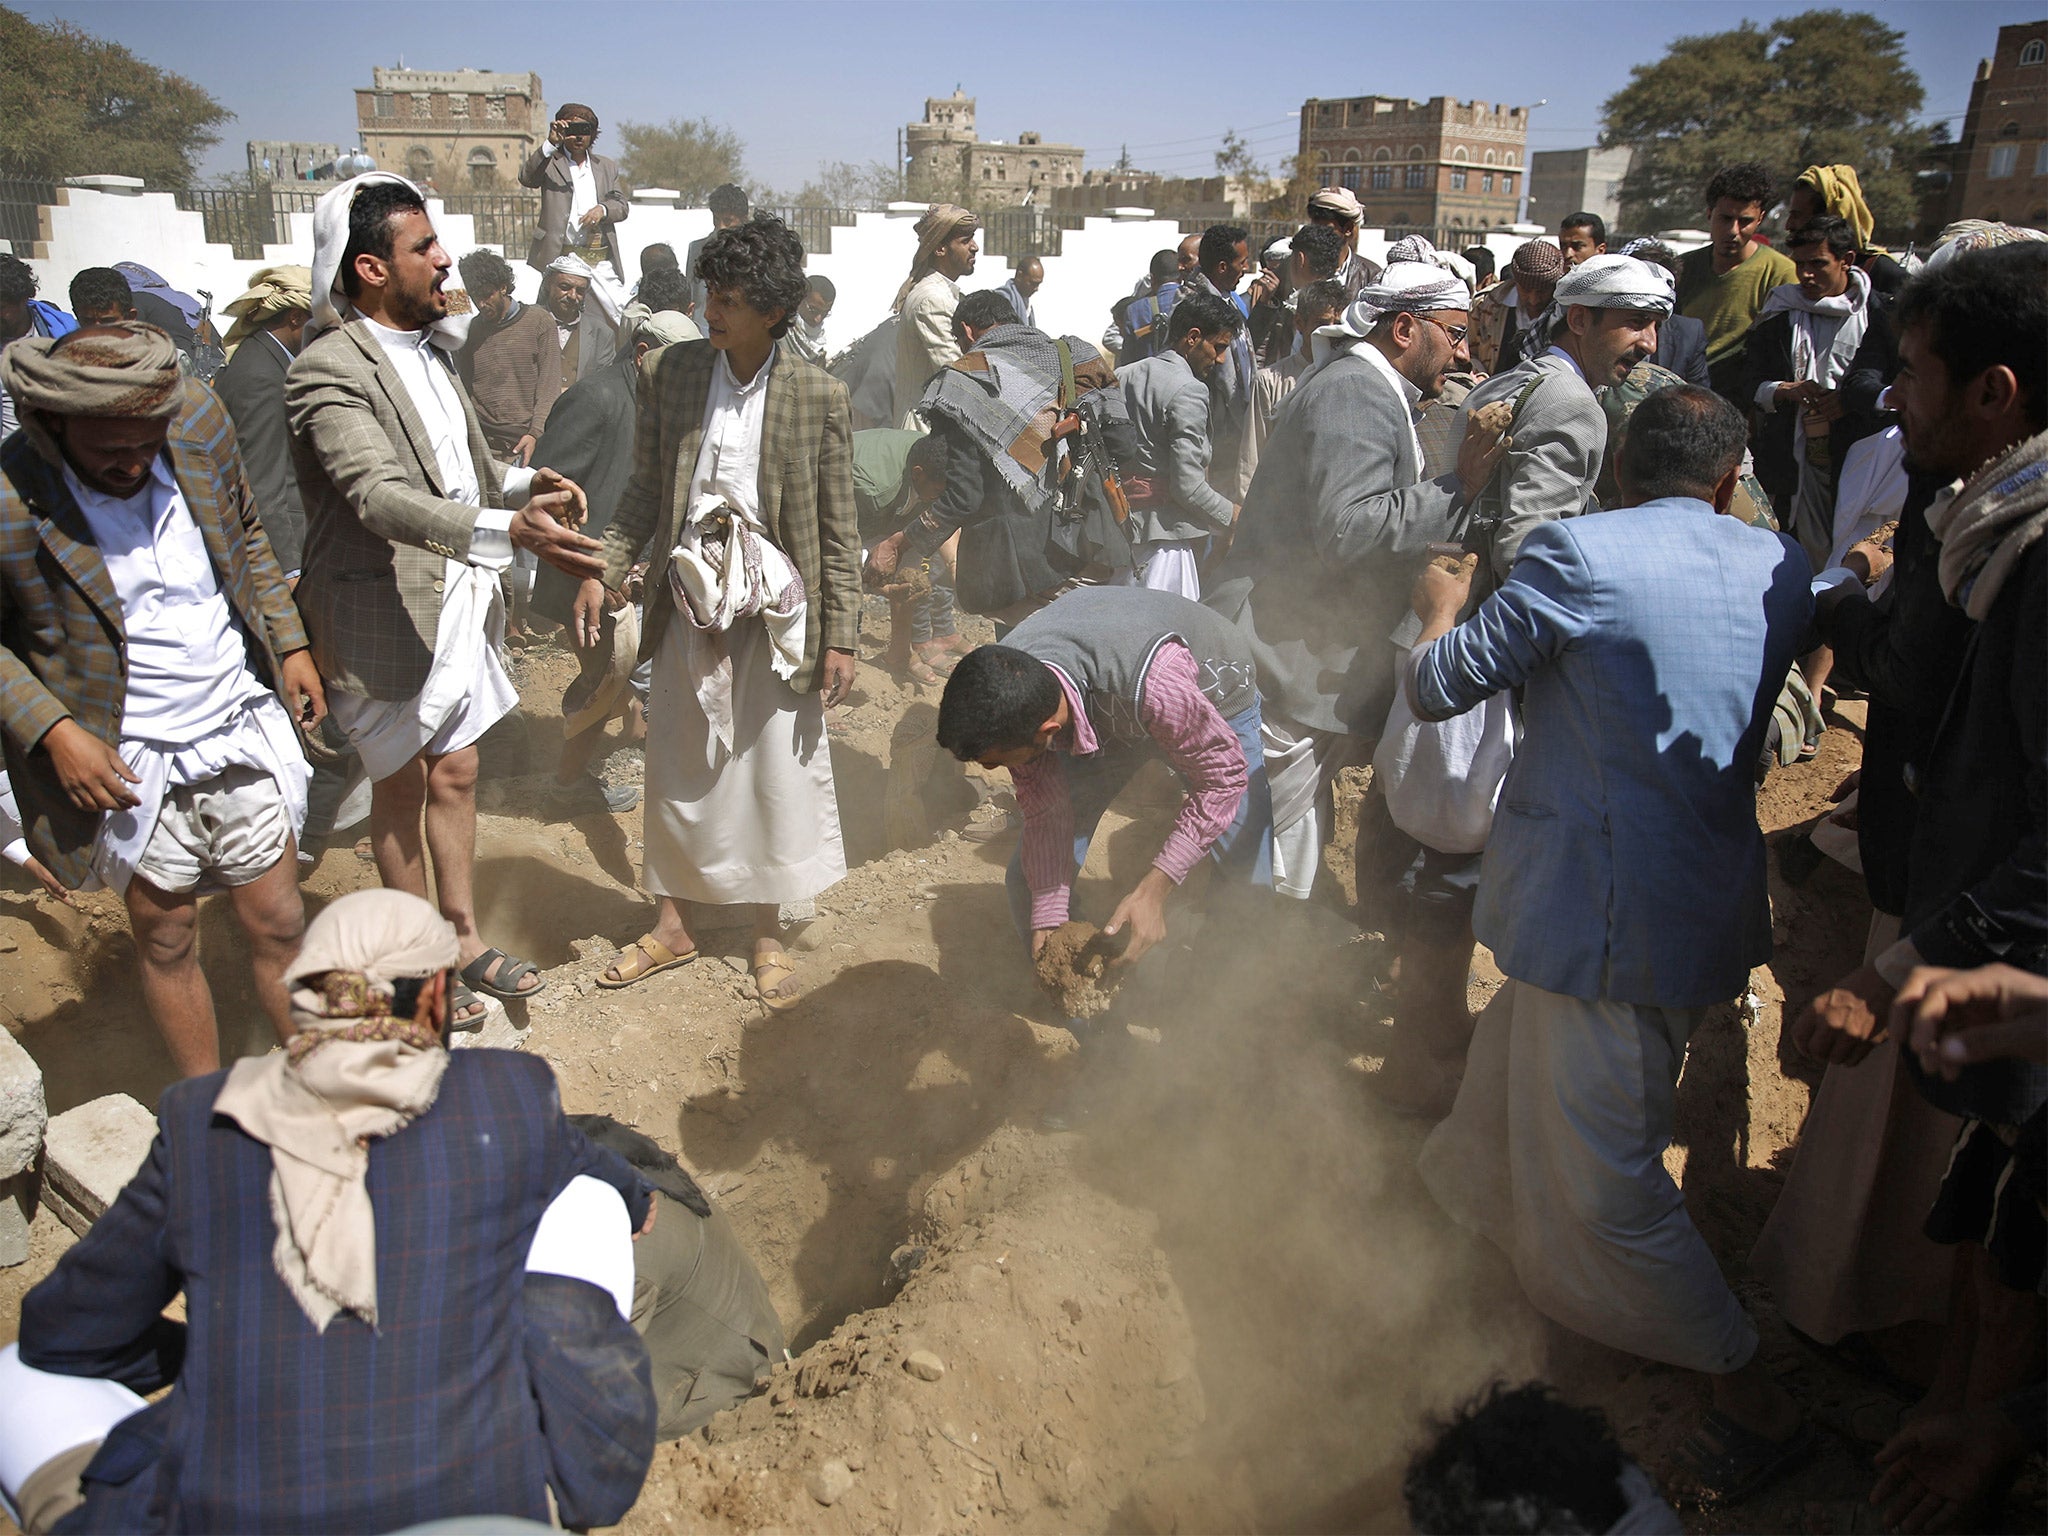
582	199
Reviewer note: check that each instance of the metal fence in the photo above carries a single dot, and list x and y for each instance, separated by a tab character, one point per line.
21	205
813	226
1020	232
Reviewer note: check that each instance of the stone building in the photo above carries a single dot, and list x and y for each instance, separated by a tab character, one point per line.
1442	162
2001	159
949	159
459	130
1563	181
291	160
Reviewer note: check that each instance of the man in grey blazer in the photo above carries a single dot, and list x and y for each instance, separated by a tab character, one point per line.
1623	895
1174	509
582	199
1336	522
406	523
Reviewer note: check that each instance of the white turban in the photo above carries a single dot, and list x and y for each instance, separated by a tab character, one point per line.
602	288
330	242
1405	287
1608	282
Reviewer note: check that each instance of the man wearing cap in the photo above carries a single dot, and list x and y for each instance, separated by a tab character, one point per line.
582	199
1505	312
1339	208
153	663
407	529
1330	537
946	252
1601	323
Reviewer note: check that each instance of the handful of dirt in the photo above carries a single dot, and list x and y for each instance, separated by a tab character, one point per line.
903	583
1074	966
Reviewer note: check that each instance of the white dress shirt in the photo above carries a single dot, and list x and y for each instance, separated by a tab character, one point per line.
582	192
193	708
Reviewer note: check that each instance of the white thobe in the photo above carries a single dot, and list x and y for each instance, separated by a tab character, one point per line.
467	689
193	708
757	821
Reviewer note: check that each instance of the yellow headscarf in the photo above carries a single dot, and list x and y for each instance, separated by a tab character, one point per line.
1841	193
273	293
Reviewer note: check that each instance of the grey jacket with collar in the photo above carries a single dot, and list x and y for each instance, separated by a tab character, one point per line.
1335	526
1559	439
1169	411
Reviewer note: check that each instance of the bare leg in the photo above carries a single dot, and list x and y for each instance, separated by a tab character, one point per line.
272	914
577	751
451	840
395	805
166	925
1816	664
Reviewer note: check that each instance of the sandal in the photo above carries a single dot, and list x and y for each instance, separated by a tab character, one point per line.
460	1001
923	673
770	974
510	973
1728	1463
658	957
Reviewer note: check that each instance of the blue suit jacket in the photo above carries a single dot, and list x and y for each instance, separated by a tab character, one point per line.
477	1390
1650	644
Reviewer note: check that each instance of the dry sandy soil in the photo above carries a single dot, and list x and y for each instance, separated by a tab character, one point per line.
1183	1278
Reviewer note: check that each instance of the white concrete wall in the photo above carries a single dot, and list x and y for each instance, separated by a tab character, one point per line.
1098	263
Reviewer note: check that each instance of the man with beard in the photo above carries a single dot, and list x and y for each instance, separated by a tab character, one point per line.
1329	540
511	360
586	323
1602	322
407	530
1972	397
1223	261
1339	208
946	252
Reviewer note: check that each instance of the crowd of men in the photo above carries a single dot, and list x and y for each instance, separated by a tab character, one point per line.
1572	561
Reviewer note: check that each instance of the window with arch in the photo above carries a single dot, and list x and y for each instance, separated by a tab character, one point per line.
1383	153
2009	131
419	164
1351	155
1415	152
2034	52
1489	157
1460	154
483	168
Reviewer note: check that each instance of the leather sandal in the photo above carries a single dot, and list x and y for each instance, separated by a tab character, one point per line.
510	973
770	972
654	957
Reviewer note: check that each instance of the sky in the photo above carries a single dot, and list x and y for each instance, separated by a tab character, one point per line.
802	82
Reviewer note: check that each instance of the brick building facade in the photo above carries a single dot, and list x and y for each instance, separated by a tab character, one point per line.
1439	162
2002	155
949	159
457	130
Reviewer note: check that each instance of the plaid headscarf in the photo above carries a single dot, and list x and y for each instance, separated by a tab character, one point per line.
273	293
1005	395
129	368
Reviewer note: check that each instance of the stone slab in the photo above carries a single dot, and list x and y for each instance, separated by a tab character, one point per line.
22	1112
89	1155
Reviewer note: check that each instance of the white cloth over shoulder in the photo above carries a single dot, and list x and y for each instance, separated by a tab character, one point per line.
586	1234
44	1415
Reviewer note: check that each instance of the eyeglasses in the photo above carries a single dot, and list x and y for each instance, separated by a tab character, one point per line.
1457	333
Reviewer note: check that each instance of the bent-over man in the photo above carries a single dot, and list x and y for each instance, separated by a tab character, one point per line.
1076	700
152	664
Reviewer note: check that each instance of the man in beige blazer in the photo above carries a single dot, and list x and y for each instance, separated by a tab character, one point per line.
407	526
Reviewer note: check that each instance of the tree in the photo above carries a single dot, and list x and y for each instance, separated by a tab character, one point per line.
845	184
1823	87
692	157
72	104
1304	179
1234	159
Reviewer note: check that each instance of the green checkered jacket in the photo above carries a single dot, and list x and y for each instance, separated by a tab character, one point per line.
806	490
61	629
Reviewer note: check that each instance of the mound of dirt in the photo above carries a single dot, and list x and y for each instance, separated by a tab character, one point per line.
1074	966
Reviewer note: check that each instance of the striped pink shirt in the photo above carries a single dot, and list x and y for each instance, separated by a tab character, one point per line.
1197	741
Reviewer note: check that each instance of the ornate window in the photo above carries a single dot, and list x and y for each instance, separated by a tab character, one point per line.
483	168
1382	178
2034	52
422	104
458	106
385	106
1486	181
1417	177
2003	158
494	108
1458	180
